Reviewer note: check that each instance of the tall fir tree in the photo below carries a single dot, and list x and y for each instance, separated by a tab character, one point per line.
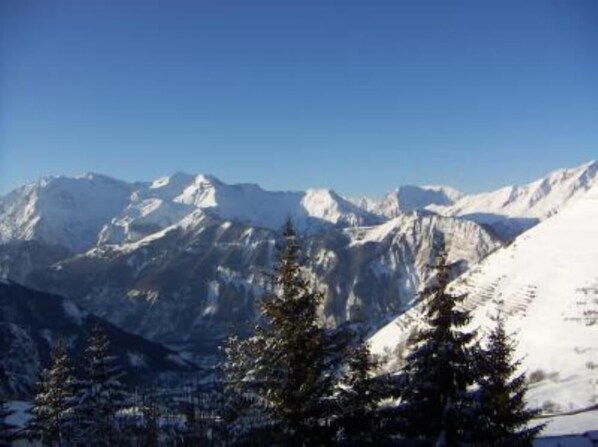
500	416
152	413
53	407
438	369
358	398
286	370
101	395
6	429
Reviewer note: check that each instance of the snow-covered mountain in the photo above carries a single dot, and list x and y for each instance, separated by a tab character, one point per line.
513	209
62	210
408	198
548	280
508	211
79	212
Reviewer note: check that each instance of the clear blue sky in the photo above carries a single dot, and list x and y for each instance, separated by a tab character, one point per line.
356	96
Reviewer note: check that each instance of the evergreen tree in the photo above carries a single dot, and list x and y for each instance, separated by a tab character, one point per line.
101	394
358	398
192	433
53	419
286	370
439	368
6	429
500	417
151	412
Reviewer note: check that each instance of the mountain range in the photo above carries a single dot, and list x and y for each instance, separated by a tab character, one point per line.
182	259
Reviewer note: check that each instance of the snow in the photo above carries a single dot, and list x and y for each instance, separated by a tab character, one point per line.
509	210
328	206
62	210
538	199
451	193
376	233
169	187
80	212
251	204
192	220
571	424
548	279
137	360
73	312
20	415
212	298
143	218
408	198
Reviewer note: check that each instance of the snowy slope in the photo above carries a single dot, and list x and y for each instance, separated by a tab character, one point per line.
548	278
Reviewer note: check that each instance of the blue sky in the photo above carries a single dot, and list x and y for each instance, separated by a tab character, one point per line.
355	96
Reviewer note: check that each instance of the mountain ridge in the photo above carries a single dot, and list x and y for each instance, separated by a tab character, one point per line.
82	211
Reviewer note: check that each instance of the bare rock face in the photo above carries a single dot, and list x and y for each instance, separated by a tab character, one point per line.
195	280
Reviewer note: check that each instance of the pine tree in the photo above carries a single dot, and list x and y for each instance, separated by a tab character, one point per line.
151	412
101	394
53	408
500	417
438	370
285	371
358	398
6	429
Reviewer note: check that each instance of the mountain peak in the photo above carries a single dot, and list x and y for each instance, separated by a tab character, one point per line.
207	179
93	176
177	178
407	198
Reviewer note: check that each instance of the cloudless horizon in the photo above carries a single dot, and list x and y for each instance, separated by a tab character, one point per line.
359	97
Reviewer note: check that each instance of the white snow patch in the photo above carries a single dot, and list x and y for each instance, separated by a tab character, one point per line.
20	416
73	312
137	360
212	298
